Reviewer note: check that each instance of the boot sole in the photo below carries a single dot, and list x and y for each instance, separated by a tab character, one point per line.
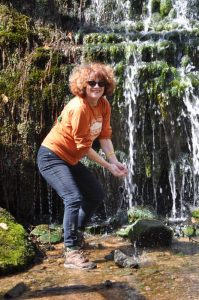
72	266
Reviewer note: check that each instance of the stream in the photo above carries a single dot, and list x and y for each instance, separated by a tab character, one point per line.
163	274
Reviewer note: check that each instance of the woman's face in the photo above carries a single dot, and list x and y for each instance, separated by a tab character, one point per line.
94	88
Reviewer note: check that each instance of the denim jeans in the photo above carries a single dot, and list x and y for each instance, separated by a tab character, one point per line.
77	187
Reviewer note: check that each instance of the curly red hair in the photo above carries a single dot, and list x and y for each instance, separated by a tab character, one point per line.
81	73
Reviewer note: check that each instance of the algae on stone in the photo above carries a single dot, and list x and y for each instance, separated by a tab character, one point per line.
16	249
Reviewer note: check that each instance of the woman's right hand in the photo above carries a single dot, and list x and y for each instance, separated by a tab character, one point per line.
116	171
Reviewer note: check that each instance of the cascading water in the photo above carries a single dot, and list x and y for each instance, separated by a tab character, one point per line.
148	17
188	173
181	7
192	104
131	93
103	12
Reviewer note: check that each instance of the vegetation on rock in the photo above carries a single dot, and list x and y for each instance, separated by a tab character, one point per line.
16	250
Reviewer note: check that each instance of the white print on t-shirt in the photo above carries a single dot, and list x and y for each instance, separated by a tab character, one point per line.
96	128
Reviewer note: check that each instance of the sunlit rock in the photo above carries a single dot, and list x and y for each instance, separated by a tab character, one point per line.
47	234
16	249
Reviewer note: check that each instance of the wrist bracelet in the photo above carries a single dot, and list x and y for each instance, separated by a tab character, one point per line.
108	155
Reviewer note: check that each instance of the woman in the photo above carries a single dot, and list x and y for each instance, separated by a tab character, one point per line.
85	118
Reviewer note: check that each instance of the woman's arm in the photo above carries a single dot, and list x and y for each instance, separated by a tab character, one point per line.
107	147
114	166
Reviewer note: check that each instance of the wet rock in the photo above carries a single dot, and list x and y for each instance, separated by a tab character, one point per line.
150	233
97	229
124	231
123	260
109	256
108	283
119	219
16	291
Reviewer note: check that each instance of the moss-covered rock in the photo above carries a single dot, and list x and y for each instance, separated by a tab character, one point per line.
189	231
124	231
140	212
16	250
150	233
99	38
47	234
107	53
15	28
195	213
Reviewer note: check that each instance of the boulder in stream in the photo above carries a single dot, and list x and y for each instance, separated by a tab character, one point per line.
150	233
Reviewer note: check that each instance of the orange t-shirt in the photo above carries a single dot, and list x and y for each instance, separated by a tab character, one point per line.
77	127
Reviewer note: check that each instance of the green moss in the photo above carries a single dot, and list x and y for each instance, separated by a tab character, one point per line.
89	163
140	212
16	251
99	38
35	77
178	87
130	51
104	52
194	78
164	85
47	234
195	213
148	167
189	231
165	7
15	28
118	96
153	70
163	104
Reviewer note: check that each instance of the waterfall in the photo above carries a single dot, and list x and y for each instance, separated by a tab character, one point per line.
192	104
131	92
149	15
172	181
112	12
181	7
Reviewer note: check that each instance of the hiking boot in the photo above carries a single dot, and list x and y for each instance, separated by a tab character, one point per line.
74	259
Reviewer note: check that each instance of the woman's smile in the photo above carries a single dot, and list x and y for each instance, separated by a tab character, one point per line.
94	90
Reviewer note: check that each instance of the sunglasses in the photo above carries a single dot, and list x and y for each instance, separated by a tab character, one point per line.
93	83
